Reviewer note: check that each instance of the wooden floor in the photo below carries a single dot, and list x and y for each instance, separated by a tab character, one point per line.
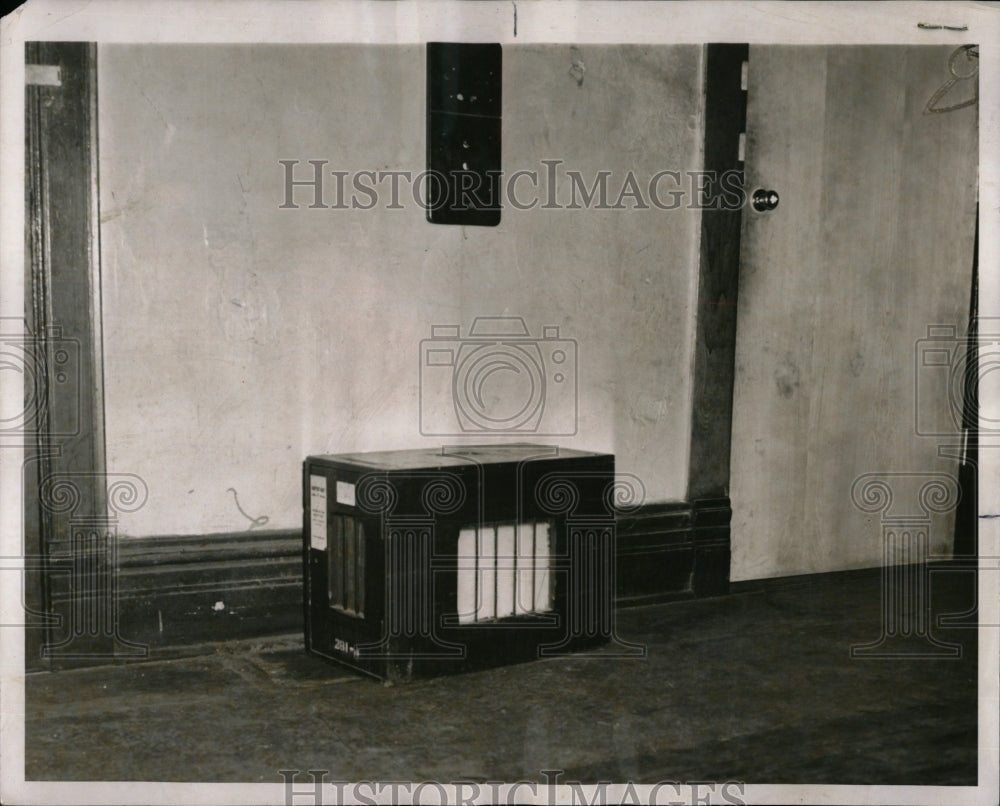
758	686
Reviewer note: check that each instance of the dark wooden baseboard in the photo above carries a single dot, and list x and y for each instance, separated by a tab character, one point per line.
176	590
673	551
173	591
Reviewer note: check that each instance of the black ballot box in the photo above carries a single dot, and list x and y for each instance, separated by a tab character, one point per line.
426	562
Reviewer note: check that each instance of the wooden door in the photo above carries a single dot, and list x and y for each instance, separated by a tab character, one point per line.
871	244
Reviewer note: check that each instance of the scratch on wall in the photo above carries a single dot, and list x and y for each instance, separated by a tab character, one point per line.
259	521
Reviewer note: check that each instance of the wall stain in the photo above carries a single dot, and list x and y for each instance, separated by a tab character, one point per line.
786	377
856	364
577	68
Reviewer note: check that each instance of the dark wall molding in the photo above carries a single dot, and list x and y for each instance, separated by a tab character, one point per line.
64	413
718	275
179	590
673	551
192	589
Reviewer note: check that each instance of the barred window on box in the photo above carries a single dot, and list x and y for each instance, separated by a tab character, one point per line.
504	570
346	569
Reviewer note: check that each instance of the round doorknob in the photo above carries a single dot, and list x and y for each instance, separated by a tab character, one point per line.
764	200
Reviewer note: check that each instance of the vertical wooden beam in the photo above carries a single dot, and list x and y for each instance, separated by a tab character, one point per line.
966	544
715	333
36	452
718	274
62	313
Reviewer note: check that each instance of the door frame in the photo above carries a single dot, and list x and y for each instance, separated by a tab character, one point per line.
64	415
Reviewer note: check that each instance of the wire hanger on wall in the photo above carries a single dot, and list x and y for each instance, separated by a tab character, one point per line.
960	71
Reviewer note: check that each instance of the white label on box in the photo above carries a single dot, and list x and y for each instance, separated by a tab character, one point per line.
345	493
317	512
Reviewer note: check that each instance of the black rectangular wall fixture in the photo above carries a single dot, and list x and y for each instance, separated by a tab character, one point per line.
464	82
